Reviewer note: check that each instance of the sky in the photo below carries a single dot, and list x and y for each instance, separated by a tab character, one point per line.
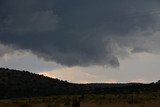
82	41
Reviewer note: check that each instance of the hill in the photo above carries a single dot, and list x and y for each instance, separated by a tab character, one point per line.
16	84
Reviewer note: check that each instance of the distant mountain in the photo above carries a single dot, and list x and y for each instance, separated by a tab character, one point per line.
15	83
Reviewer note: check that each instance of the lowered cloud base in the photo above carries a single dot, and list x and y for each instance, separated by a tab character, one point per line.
80	33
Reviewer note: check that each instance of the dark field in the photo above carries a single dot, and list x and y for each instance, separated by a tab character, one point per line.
92	100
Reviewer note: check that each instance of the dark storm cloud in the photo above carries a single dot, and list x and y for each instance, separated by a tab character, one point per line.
85	32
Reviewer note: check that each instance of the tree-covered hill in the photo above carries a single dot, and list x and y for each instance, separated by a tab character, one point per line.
14	83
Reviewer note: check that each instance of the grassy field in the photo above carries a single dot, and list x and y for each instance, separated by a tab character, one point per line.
109	100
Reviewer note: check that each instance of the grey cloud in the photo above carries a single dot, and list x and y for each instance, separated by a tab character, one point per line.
137	50
79	33
5	49
35	22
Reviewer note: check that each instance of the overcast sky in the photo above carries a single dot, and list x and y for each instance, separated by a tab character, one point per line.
82	41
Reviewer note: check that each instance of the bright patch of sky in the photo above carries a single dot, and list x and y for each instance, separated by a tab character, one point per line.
140	67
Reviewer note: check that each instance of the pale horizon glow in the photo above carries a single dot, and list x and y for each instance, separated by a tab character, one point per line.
141	67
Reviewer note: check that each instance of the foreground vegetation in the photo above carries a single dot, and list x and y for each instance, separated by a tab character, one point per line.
87	100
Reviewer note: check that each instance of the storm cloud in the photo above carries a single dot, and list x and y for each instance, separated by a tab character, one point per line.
81	33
